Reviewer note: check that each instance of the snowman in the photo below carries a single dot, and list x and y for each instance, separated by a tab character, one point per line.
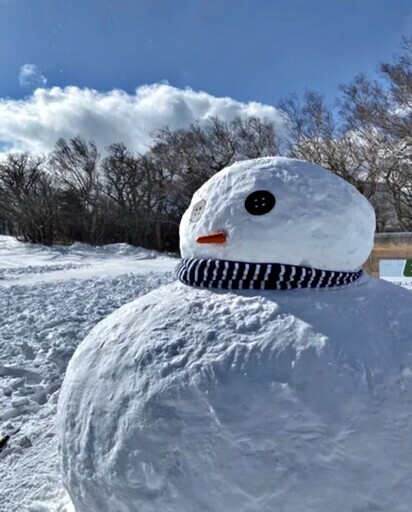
273	375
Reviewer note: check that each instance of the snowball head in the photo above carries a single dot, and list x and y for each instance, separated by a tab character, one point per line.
279	210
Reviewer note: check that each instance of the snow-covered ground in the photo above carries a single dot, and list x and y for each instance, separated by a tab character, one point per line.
50	298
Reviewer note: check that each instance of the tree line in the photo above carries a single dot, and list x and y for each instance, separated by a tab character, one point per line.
75	194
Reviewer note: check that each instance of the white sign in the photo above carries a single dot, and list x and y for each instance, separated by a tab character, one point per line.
397	272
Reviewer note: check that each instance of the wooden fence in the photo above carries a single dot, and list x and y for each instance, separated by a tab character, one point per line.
389	246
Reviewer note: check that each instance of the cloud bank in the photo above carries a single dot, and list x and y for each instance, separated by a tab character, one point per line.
35	123
30	77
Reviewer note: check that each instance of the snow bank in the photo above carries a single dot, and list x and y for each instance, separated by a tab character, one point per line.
14	253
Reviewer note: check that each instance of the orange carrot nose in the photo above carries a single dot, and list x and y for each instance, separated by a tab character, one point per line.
214	238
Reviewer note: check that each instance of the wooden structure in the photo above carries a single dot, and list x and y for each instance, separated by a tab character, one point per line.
389	246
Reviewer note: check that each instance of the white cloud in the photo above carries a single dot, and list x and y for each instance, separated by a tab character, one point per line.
35	123
30	77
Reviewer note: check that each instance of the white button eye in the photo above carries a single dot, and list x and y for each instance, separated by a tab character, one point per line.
197	210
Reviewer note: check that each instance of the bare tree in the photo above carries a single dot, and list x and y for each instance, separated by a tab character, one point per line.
380	113
366	139
180	161
75	164
190	157
316	136
28	198
125	184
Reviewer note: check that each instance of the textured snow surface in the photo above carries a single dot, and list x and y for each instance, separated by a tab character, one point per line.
50	298
190	400
319	219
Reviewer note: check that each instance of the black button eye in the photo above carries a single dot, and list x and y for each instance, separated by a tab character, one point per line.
260	202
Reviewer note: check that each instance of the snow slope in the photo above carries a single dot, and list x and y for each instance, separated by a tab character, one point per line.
50	298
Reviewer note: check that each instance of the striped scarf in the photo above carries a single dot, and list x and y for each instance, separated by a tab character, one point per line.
238	275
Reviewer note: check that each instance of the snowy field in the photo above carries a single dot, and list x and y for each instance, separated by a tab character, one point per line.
50	299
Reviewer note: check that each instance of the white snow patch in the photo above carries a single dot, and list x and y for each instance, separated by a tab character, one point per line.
50	298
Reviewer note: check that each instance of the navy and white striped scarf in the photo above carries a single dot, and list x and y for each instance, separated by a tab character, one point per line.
238	275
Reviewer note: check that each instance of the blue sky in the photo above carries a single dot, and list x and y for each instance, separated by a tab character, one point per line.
249	50
79	67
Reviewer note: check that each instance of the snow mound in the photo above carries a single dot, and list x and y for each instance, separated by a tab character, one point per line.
27	264
197	400
76	254
110	250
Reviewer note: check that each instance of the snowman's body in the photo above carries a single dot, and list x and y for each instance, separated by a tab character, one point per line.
192	400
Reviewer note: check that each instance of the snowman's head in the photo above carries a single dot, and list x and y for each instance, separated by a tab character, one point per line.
279	210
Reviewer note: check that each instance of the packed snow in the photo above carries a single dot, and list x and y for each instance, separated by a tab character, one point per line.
50	299
190	399
318	219
197	400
